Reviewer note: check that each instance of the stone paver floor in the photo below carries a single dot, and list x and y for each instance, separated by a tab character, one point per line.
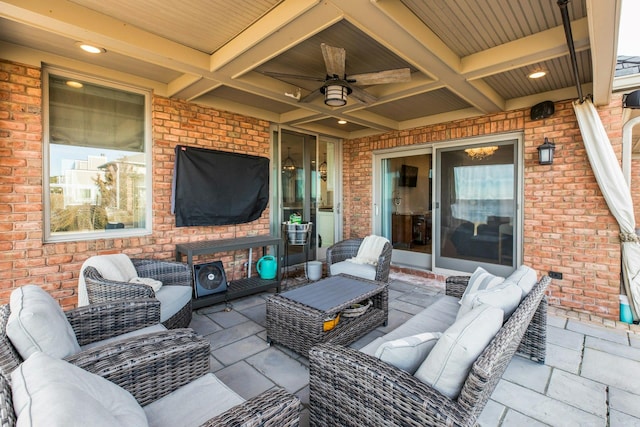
591	376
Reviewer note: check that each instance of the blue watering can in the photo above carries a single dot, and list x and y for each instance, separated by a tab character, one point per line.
267	267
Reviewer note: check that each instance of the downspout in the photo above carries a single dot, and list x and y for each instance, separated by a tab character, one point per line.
572	50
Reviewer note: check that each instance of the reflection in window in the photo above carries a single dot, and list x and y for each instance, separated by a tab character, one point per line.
97	159
478	206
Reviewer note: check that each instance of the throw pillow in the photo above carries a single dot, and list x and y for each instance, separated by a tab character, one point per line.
504	296
408	353
481	279
52	392
525	278
449	362
37	323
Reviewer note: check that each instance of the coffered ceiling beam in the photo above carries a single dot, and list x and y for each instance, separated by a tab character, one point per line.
410	39
528	50
604	21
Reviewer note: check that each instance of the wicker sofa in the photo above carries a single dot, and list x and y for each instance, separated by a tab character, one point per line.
170	273
351	388
348	248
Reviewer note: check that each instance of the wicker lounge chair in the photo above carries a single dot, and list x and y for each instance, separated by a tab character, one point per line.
164	404
348	248
169	273
350	388
162	356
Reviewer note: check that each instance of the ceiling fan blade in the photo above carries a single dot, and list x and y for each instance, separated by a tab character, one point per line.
389	76
291	76
310	96
362	96
334	60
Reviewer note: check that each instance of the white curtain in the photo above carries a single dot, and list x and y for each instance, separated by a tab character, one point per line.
616	192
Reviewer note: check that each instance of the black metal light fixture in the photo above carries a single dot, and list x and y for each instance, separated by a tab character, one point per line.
545	152
631	100
288	166
335	92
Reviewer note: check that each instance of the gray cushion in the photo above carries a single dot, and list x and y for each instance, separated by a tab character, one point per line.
51	392
448	364
172	300
366	271
524	277
37	323
137	332
504	296
409	352
192	404
481	279
435	318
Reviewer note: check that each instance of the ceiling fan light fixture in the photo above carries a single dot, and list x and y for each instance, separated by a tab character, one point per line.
335	93
342	122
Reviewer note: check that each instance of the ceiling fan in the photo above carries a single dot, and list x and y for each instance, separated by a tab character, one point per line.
337	84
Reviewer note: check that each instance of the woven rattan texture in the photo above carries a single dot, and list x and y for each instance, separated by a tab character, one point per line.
169	273
350	388
299	327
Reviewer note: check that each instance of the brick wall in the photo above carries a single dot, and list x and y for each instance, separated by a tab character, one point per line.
24	259
567	225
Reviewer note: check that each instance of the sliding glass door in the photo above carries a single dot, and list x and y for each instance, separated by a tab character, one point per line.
477	201
454	207
404	206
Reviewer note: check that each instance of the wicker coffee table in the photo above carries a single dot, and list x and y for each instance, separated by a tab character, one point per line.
295	319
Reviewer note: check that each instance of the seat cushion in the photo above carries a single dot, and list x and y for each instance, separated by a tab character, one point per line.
192	404
37	323
137	332
172	299
366	271
408	353
524	277
52	392
504	296
448	364
435	318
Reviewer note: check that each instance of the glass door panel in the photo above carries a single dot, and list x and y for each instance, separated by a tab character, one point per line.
326	188
477	198
299	188
406	208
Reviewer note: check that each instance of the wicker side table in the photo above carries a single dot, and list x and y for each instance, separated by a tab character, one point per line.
295	319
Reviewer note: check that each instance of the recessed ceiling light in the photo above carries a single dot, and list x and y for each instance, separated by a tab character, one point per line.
342	122
74	84
537	74
90	48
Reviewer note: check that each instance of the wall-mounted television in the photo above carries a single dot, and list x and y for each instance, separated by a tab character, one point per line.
408	176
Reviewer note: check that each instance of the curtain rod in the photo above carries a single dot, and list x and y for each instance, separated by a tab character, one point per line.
572	51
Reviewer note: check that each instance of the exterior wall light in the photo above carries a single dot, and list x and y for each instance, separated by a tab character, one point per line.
545	152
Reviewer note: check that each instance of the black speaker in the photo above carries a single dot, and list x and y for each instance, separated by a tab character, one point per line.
209	278
542	110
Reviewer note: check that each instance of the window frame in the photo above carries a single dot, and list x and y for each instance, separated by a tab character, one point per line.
48	236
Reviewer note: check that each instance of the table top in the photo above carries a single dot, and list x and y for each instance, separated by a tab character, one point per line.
326	294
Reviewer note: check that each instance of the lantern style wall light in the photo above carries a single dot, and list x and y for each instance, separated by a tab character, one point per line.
545	152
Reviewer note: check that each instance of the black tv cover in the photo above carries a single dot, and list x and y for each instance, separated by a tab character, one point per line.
218	188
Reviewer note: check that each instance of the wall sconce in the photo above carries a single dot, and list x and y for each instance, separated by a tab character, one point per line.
545	152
